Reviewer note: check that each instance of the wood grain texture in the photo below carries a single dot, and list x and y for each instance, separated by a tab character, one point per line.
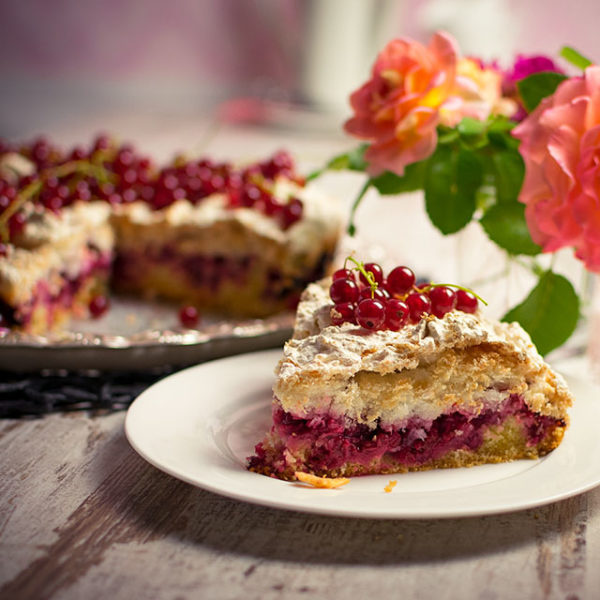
82	516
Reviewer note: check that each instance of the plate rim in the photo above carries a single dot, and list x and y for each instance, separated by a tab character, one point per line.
77	340
327	510
151	349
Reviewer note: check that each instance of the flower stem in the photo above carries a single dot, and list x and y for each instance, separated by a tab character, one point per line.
351	227
531	265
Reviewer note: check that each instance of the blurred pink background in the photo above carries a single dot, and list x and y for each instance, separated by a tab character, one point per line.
64	60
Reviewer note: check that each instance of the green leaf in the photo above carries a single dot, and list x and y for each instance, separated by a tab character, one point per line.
508	171
451	182
470	127
574	57
549	314
352	161
499	133
500	123
447	135
505	225
536	87
389	183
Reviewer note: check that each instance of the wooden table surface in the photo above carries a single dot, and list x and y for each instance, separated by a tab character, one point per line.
83	516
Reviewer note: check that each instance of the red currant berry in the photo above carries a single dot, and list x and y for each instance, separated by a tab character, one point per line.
343	290
370	314
102	142
169	181
466	301
378	293
63	191
443	300
250	195
343	274
189	316
400	280
78	153
343	313
98	306
376	270
396	314
16	224
124	158
291	213
129	195
10	192
40	151
419	304
270	206
54	203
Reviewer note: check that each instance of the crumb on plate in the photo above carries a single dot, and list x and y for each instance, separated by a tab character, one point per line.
390	486
321	482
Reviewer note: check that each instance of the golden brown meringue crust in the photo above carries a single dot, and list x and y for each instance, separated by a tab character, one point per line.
423	370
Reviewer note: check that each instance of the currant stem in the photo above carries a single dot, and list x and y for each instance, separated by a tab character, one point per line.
366	274
452	285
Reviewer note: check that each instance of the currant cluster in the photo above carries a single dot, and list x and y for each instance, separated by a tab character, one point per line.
251	187
105	171
374	301
118	174
8	194
255	185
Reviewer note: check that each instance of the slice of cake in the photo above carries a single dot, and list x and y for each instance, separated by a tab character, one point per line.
55	266
54	257
238	241
383	385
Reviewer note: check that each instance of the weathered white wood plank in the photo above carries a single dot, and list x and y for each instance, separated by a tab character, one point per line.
82	516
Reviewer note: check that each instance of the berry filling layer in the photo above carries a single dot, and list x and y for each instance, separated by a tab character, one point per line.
325	444
212	272
198	270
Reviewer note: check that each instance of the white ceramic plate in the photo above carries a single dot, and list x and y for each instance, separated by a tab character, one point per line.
200	424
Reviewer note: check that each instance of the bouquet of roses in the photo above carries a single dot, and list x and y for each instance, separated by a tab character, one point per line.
518	151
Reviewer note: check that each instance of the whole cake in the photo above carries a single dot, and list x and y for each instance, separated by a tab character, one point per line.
241	241
387	376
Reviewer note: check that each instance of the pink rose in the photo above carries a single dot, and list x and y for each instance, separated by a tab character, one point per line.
397	110
560	143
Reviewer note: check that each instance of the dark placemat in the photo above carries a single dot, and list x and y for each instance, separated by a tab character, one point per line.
36	394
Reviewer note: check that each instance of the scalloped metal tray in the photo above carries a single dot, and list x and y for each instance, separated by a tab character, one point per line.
136	335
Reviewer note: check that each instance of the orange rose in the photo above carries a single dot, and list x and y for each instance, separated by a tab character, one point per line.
397	110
